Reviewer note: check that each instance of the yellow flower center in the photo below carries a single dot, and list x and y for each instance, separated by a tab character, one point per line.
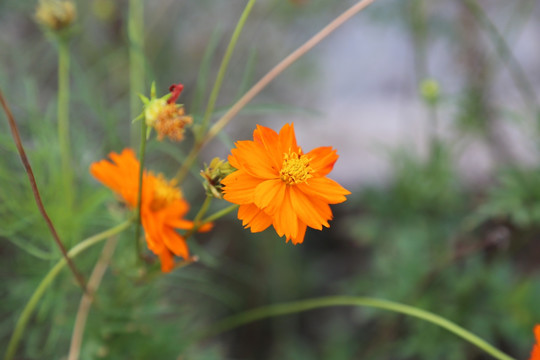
152	110
295	168
165	192
171	122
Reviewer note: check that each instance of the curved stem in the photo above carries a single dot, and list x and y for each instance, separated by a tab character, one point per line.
47	281
265	80
35	190
330	301
197	223
197	220
86	301
223	68
220	213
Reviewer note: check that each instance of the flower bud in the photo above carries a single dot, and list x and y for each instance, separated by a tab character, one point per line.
55	15
213	174
429	89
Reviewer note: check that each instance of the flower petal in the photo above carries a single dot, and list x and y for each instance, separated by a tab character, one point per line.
312	211
324	188
269	139
287	140
167	261
254	218
252	157
269	195
301	233
239	187
322	160
175	243
285	220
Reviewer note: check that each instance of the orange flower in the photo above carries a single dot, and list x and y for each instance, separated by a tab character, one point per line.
277	184
535	353
162	208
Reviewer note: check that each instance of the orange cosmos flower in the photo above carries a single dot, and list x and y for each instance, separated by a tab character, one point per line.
277	184
535	354
162	207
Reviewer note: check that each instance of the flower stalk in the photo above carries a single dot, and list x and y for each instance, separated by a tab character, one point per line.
142	151
63	120
136	61
331	301
20	326
264	81
223	69
35	191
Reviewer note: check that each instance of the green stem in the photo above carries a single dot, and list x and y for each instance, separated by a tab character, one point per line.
142	151
310	304
63	120
521	80
188	162
223	69
136	61
203	210
192	156
265	80
219	214
197	220
47	281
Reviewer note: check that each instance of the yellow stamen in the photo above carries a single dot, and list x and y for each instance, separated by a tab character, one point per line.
165	192
295	168
171	122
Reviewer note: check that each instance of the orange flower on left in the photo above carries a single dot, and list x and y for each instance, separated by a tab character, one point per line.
535	353
162	207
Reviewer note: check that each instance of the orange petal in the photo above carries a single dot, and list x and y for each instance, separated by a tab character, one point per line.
535	353
285	220
269	139
239	187
121	175
167	261
206	227
152	227
253	158
287	139
301	233
254	218
269	195
324	188
322	160
312	211
175	243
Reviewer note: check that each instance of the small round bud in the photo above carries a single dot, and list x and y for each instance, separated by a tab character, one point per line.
213	174
56	15
429	89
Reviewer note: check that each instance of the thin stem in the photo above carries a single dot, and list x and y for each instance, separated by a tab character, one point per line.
223	68
63	120
219	214
310	304
35	191
521	80
265	80
197	220
136	61
87	299
142	151
203	210
47	281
